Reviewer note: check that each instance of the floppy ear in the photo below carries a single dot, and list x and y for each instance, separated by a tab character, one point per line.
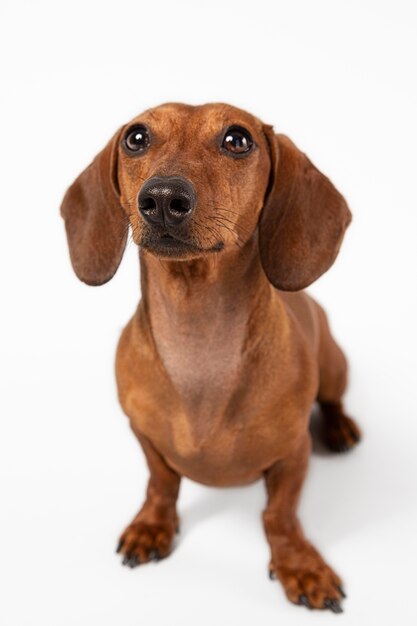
303	221
95	223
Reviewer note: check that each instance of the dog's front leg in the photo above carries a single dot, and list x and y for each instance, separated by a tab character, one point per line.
151	533
306	578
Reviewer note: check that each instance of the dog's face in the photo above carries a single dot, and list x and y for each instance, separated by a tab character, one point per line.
195	181
192	180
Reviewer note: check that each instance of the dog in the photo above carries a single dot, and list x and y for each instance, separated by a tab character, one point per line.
221	364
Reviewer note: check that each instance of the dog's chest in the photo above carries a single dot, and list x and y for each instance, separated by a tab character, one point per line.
220	430
202	358
218	407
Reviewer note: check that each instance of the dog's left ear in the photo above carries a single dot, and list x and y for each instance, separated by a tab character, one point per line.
95	222
303	221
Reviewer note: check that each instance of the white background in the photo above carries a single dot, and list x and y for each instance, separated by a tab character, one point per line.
340	79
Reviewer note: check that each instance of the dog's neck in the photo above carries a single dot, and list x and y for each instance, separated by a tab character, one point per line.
208	286
201	315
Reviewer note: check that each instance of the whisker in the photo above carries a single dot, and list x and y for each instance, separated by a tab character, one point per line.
211	230
216	205
238	240
234	231
240	226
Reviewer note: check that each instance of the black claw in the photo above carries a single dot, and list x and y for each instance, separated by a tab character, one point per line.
154	555
341	591
126	559
333	605
177	530
119	546
304	601
134	561
272	575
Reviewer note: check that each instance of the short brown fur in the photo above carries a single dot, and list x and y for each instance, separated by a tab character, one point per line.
220	365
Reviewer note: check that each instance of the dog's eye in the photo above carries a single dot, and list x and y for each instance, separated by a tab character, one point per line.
237	141
137	138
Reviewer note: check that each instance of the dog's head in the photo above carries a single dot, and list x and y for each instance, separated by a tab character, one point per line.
194	181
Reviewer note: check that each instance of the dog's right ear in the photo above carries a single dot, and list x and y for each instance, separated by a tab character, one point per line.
95	222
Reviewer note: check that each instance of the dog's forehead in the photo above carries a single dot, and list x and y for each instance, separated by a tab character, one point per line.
212	116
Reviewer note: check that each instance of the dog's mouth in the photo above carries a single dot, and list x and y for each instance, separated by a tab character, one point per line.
168	240
169	245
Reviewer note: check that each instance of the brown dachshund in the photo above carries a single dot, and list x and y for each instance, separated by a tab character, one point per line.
221	364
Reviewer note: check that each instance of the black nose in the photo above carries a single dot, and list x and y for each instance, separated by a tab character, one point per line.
167	200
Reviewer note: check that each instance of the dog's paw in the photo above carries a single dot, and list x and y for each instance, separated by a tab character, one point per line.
312	584
142	542
340	432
